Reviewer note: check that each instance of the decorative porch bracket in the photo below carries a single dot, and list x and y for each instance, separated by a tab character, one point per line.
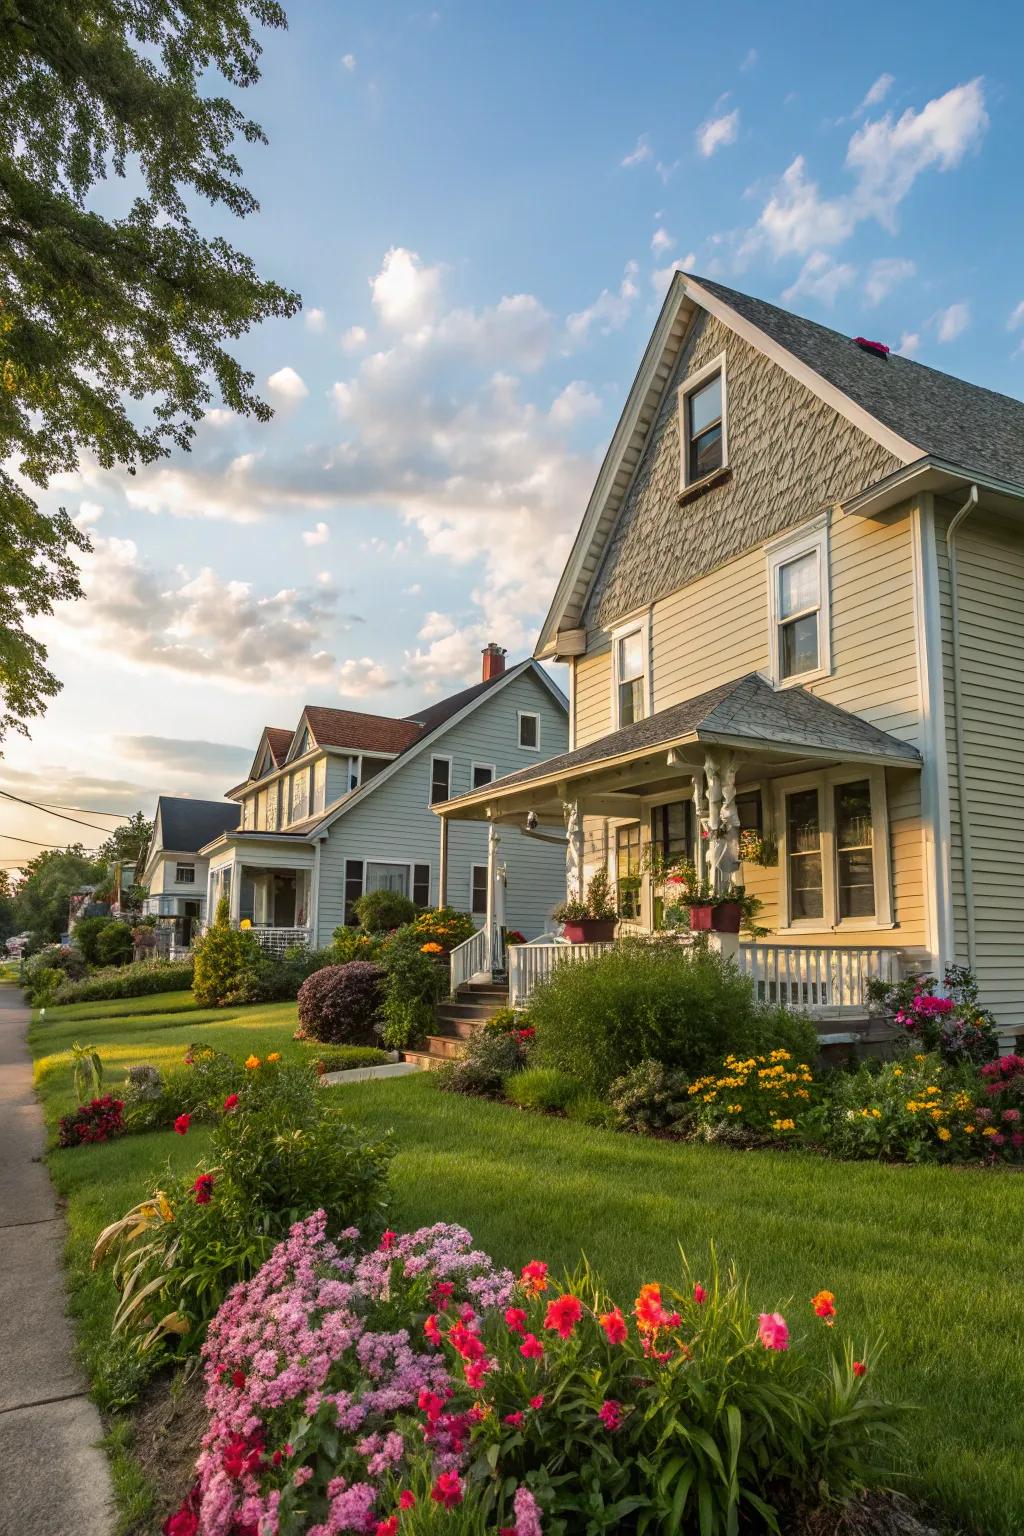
574	888
718	846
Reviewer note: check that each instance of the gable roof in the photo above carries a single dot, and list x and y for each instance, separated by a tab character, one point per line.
433	715
351	728
913	412
279	739
187	825
747	710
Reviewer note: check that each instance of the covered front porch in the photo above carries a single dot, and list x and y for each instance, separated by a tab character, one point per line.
271	891
775	794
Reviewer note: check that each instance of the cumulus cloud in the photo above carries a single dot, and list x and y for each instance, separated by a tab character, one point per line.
318	535
405	292
287	386
821	278
884	275
661	241
354	339
641	152
910	341
359	676
952	322
576	403
716	132
609	311
315	319
885	158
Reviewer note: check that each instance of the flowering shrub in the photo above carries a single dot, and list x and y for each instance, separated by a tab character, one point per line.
768	1094
414	983
953	1025
443	926
354	944
373	1394
99	1120
490	1057
197	1088
339	1005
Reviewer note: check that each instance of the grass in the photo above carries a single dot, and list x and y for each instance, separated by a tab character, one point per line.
928	1259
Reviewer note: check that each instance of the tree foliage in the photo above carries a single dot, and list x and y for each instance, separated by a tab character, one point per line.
97	311
128	843
41	901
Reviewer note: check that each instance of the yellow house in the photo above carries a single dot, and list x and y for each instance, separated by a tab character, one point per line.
794	624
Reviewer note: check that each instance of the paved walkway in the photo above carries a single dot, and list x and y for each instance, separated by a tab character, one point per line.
54	1479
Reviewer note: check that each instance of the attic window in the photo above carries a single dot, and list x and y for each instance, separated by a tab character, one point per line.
879	348
702	424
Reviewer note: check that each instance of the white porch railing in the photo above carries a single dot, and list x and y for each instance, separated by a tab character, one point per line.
826	981
277	940
468	959
530	964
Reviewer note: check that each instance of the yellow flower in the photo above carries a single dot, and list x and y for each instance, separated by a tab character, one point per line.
783	1125
245	923
274	1056
897	1071
735	1109
877	1114
969	1129
252	1062
944	1133
988	1130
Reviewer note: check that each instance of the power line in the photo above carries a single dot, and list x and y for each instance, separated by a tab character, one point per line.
87	810
48	811
37	844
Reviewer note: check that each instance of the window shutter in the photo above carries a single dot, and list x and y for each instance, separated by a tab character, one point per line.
353	888
421	884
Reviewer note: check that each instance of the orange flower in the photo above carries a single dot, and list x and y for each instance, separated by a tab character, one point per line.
431	949
649	1312
252	1062
274	1056
824	1305
534	1277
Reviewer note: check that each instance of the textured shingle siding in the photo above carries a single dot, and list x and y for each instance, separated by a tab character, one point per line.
990	559
790	455
396	823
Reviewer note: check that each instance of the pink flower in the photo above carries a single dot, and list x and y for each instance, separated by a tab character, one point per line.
387	1241
527	1513
531	1348
517	1419
773	1331
700	1295
610	1414
538	1401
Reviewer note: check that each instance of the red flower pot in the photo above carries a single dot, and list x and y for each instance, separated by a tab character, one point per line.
723	918
590	930
700	918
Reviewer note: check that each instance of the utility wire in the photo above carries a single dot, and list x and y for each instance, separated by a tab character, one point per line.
47	811
49	805
37	844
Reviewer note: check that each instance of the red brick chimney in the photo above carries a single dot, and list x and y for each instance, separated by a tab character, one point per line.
494	661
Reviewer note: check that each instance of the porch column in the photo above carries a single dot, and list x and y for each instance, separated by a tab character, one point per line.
208	914
573	850
723	822
442	865
493	844
314	896
699	822
235	903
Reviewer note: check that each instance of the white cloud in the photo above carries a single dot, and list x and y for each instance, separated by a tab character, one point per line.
662	276
716	132
885	157
821	278
875	94
287	386
748	61
910	341
361	675
348	62
315	319
609	311
88	514
517	331
662	241
884	275
666	170
354	338
1017	317
639	154
219	417
576	403
405	292
318	535
414	590
952	322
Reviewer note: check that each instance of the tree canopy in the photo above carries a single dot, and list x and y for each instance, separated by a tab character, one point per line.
101	313
128	843
45	888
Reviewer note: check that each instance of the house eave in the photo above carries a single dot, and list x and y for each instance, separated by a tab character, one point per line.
936	476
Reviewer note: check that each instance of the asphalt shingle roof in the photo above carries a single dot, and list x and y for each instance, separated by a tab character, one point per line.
279	739
350	728
965	424
188	825
436	714
747	708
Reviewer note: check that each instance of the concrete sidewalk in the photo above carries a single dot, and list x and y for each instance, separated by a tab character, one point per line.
54	1479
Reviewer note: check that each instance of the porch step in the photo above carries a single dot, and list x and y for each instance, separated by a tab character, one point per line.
459	1009
422	1060
457	1020
458	1027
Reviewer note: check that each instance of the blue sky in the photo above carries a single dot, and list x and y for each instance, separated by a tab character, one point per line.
481	206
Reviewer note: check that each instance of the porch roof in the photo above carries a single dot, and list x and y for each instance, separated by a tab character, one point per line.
747	713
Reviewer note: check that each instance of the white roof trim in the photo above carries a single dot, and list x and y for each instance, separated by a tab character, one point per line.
684	295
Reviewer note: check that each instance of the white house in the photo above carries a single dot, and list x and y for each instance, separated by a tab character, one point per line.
341	805
175	873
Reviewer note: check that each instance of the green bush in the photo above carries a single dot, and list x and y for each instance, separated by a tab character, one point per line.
685	1008
381	911
48	969
414	984
647	1098
489	1058
141	979
228	963
115	945
543	1088
87	932
588	1109
444	926
340	1004
345	1058
197	1088
277	978
353	944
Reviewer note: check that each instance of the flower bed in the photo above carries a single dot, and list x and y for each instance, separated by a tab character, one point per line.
100	1120
373	1393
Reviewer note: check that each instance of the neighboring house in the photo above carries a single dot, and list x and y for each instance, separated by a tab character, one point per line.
175	873
795	608
341	805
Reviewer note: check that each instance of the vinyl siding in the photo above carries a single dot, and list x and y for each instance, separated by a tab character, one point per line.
396	824
990	561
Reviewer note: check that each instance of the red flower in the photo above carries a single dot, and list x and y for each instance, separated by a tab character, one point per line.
859	1368
515	1317
182	1124
610	1414
442	1294
538	1401
431	1329
387	1240
475	1371
406	1499
203	1187
700	1295
650	1314
182	1523
431	1404
238	1379
447	1490
614	1325
534	1277
531	1348
230	1103
517	1419
563	1314
387	1527
465	1342
824	1305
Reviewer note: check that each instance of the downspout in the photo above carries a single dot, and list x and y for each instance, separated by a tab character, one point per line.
958	726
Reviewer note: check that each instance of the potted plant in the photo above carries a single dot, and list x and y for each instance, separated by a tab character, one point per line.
708	910
591	920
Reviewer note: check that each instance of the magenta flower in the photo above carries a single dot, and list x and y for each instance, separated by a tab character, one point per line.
773	1331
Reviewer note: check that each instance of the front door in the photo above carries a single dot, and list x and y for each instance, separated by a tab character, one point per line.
284	901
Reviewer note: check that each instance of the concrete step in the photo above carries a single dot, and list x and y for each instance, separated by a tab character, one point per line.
448	1047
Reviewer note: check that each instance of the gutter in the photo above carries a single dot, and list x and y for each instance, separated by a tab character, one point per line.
958	726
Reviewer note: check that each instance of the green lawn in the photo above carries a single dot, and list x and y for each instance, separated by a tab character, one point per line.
930	1259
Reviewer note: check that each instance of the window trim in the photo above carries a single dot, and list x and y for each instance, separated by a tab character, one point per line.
472	873
812	538
472	774
638	625
690	384
527	714
440	757
825	783
179	865
410	864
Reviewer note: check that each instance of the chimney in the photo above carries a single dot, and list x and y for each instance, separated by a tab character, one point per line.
494	661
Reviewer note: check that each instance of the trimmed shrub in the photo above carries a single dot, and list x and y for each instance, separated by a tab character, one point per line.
685	1008
489	1058
115	945
345	1058
142	979
228	963
543	1088
340	1004
647	1098
381	911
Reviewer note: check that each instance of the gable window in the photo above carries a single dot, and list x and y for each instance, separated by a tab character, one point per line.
799	605
627	870
629	672
300	794
483	773
184	874
478	890
529	731
319	771
702	423
834	838
440	779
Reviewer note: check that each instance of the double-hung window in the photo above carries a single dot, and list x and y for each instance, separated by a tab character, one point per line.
798	593
627	870
440	779
834	838
184	874
702	424
478	891
529	731
482	774
630	672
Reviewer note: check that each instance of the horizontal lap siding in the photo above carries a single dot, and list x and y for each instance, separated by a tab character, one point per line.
395	823
592	686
